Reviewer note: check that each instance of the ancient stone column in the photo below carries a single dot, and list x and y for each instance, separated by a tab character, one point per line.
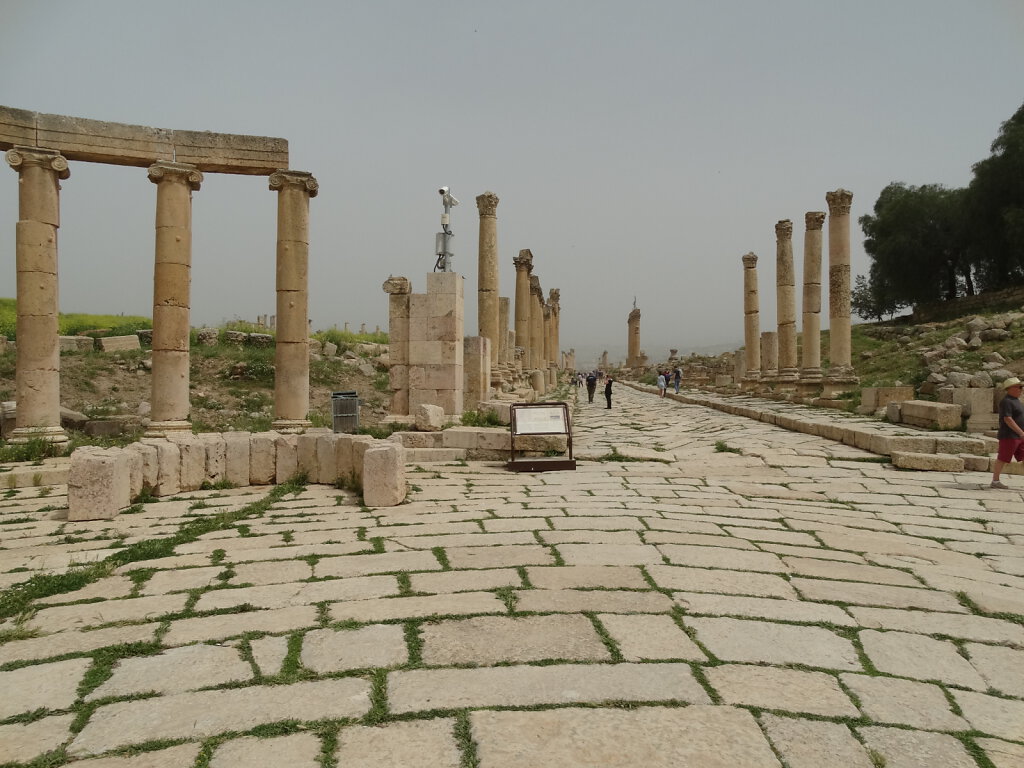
487	271
172	274
398	290
751	319
548	349
524	303
769	355
633	338
554	299
37	366
291	353
785	299
503	314
810	369
839	283
536	323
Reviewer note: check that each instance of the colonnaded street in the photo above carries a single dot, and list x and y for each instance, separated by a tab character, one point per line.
705	590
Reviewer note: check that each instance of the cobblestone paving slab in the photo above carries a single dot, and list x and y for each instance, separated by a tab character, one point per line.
815	744
299	750
425	744
1003	754
181	756
21	743
791	690
42	686
916	749
882	628
207	713
420	690
175	671
653	737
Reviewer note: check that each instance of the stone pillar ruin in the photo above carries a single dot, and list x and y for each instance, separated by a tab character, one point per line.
503	315
769	356
785	298
751	321
37	367
487	271
633	338
291	353
524	303
604	360
536	324
175	183
398	290
810	368
554	299
840	373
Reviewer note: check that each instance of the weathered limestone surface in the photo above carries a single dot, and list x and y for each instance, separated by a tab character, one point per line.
120	144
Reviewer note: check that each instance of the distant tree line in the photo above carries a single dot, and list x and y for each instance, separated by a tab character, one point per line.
931	243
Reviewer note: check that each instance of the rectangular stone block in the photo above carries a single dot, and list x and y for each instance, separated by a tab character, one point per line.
306	458
360	445
936	462
970	445
922	413
286	464
262	458
76	343
343	464
326	459
884	445
192	453
150	464
236	458
880	397
168	467
99	483
384	483
216	456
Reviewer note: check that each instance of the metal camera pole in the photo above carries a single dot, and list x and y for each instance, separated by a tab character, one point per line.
443	240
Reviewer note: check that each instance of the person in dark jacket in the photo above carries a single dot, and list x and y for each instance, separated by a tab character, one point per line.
591	386
608	391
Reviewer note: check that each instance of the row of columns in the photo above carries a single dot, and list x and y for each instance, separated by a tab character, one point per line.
772	357
37	374
536	321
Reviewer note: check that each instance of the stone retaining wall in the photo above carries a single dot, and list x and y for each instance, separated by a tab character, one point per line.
102	482
483	443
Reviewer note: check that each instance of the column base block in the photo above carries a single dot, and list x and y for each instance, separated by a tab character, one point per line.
21	435
291	426
165	428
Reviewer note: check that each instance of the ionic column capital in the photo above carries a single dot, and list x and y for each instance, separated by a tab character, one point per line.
177	173
282	179
524	261
20	158
784	229
750	260
487	204
814	219
839	202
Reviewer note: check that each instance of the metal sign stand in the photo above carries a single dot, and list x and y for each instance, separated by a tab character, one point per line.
540	419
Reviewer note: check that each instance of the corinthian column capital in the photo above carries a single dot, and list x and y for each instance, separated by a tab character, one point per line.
279	180
178	173
814	219
784	229
487	204
839	202
20	158
524	261
749	260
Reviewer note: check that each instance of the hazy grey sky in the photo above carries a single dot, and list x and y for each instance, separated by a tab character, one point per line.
639	149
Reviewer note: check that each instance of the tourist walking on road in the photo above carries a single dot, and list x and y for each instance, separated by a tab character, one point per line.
1011	430
591	386
677	378
662	384
608	392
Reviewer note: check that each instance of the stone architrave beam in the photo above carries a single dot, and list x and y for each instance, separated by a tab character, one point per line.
96	141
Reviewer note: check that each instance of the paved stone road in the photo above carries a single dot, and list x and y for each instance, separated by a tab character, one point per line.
794	604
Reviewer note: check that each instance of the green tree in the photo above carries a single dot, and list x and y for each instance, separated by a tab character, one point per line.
871	301
995	208
916	240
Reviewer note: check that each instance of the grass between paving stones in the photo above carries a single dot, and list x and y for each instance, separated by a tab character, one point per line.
18	598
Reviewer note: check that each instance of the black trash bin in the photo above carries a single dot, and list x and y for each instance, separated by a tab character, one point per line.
345	408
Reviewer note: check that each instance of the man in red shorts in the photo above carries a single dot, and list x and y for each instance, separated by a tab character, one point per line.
1011	429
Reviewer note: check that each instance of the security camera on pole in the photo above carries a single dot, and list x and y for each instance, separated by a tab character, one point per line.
443	239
